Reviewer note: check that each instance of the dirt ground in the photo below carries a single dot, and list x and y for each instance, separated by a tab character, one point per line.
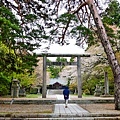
33	108
100	108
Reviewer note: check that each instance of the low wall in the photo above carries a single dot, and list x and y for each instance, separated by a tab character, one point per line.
91	101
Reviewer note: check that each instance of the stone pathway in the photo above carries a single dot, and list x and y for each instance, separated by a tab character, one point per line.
72	109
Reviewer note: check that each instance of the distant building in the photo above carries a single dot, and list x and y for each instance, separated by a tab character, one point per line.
57	83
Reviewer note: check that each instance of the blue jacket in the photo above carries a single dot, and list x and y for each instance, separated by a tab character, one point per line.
66	93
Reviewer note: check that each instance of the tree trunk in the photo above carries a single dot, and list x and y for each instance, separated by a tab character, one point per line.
108	50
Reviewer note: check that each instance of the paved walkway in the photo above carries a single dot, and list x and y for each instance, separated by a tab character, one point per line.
72	109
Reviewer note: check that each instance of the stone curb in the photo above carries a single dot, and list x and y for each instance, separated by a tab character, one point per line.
57	101
77	118
56	115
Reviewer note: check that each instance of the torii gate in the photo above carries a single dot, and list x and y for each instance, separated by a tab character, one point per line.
79	81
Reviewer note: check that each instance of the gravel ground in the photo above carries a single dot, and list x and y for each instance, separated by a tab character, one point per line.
39	109
100	108
31	108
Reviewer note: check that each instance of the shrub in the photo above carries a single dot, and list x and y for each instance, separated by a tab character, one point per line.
86	92
3	90
33	90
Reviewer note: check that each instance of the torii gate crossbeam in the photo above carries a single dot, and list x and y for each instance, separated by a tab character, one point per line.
79	81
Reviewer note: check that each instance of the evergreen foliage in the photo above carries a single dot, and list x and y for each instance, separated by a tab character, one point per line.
111	20
111	15
15	57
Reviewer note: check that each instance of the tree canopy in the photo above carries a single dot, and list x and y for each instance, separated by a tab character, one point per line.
55	22
51	22
15	57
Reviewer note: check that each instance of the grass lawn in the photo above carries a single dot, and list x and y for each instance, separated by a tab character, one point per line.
33	95
83	95
87	95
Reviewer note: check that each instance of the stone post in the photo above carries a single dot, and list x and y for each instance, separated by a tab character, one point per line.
106	84
79	77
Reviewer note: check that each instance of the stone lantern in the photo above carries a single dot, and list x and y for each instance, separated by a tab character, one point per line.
15	88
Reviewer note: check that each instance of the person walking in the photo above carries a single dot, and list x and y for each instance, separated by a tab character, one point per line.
66	93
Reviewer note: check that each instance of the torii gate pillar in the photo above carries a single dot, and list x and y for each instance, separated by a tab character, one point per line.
79	81
44	87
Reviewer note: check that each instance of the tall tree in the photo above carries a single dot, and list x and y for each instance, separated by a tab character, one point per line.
14	57
108	50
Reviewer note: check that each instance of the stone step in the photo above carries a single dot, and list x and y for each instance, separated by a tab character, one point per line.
54	91
63	118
